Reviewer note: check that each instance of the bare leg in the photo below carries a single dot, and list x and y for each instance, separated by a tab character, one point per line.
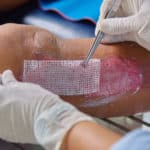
126	104
19	43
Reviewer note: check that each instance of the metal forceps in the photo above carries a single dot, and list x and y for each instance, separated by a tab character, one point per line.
98	39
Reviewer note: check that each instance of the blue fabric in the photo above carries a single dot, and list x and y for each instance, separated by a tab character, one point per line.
136	140
74	9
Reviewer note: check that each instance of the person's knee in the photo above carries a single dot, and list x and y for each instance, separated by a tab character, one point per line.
29	38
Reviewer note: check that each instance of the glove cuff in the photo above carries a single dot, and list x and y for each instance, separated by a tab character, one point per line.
53	124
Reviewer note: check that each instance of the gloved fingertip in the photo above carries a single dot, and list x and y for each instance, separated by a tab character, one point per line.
109	26
98	27
0	78
105	26
8	77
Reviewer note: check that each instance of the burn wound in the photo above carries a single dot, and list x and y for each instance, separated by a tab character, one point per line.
64	77
118	76
106	77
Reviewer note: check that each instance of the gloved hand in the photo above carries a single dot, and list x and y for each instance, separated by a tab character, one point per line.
130	21
31	114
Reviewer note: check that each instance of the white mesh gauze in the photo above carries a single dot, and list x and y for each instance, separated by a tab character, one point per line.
64	77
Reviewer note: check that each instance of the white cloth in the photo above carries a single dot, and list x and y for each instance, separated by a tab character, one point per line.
31	114
130	21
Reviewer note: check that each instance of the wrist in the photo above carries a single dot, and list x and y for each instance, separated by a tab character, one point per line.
53	124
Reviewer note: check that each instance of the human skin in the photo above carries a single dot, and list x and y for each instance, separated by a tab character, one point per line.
124	105
6	5
20	42
95	137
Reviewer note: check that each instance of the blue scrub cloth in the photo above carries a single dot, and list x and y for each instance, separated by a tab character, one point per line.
135	140
74	10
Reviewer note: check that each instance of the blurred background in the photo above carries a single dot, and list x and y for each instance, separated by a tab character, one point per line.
55	18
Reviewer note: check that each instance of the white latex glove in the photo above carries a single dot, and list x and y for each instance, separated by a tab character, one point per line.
130	21
31	114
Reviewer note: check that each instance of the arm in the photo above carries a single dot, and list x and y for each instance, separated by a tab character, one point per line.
95	137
